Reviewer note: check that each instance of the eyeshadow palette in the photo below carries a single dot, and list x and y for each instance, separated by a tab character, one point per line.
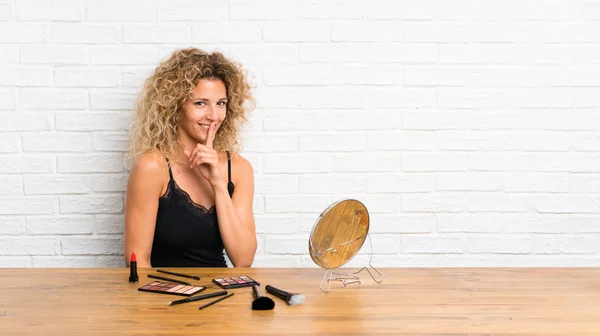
235	282
171	288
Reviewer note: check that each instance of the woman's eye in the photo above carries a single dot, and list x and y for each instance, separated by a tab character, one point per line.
222	103
198	103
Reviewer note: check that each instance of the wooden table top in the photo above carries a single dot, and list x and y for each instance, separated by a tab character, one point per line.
413	301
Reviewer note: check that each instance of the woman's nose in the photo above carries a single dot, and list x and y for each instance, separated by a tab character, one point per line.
212	113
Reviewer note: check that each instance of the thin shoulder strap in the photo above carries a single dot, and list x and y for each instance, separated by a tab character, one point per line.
228	166
230	186
170	172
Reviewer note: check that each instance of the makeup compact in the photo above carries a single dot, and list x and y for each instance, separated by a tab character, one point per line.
235	282
171	288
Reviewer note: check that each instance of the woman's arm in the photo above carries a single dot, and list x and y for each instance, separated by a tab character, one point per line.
144	188
235	214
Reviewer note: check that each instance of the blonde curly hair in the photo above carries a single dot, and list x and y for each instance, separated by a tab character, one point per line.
157	108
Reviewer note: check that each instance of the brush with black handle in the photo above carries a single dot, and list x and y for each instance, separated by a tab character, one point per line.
292	299
261	302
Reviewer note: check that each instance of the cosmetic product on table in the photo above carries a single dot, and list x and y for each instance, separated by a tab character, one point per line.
215	301
168	279
171	288
196	298
180	274
261	302
133	275
292	299
235	282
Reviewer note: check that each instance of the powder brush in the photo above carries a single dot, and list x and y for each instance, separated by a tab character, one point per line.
261	302
292	299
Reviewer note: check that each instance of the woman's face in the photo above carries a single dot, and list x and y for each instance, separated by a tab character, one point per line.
207	104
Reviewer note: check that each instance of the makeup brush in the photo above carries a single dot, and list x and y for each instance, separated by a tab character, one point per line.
261	302
292	299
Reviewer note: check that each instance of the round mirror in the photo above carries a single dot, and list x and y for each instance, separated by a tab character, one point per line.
339	233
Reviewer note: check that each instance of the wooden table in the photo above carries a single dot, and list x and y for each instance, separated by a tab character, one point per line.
446	301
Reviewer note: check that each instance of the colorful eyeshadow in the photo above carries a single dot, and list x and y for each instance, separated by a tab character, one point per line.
174	289
235	282
191	291
185	289
171	288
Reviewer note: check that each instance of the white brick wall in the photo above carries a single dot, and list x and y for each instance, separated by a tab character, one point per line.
471	130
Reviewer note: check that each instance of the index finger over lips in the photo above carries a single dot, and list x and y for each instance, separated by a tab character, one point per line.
212	131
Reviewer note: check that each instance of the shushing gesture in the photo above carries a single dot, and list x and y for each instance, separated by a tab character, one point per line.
204	158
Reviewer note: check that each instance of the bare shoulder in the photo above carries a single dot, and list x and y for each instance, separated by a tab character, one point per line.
241	167
150	168
242	164
150	163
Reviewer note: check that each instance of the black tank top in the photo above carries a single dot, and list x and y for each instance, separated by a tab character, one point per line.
187	234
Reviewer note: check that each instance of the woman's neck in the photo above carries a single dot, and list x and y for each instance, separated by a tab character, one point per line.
185	144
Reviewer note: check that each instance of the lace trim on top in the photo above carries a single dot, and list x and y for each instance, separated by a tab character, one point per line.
186	200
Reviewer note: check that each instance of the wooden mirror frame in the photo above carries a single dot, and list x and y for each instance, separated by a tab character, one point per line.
339	233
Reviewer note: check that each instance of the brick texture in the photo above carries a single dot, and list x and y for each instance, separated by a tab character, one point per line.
470	130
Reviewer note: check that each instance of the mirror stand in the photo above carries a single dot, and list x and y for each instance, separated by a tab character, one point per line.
346	279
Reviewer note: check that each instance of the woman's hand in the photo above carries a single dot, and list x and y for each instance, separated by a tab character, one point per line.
206	159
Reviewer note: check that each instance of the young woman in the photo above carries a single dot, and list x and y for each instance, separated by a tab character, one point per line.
189	193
